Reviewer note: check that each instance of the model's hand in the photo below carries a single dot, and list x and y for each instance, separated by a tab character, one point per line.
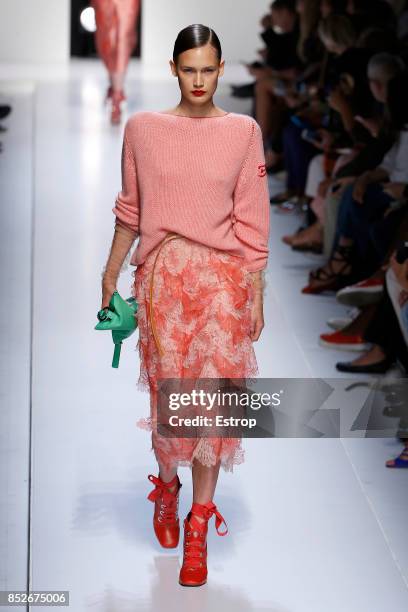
108	287
257	320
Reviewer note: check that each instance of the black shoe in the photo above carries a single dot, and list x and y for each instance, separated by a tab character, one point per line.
280	198
380	367
5	109
243	91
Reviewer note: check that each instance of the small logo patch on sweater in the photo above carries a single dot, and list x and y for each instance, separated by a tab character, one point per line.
261	170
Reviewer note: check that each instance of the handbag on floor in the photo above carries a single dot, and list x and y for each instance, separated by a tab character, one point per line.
119	317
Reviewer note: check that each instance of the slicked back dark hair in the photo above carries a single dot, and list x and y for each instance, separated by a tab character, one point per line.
193	36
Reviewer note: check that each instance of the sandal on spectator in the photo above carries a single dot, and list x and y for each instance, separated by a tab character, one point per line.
329	280
399	462
310	245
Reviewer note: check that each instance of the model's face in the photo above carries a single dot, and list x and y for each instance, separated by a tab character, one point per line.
198	69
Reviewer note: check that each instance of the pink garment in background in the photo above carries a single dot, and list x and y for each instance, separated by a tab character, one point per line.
115	36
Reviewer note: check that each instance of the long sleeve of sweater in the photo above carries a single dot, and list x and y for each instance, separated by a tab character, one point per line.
126	206
251	204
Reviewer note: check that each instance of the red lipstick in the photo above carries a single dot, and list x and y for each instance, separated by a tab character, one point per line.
198	92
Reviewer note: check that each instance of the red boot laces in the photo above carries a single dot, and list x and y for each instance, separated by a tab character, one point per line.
195	534
206	511
168	501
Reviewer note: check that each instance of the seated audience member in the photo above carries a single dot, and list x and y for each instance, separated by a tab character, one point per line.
368	13
378	40
283	66
338	38
366	295
348	95
363	206
320	234
281	35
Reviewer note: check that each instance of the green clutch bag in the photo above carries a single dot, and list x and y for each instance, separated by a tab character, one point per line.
119	317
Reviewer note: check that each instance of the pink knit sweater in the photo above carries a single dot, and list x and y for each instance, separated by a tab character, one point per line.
201	177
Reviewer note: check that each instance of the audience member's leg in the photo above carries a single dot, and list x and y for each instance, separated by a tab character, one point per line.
394	289
270	112
352	254
355	219
315	175
385	332
331	211
297	155
385	233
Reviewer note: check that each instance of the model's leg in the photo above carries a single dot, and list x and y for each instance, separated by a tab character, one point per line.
117	80
194	569
167	475
204	482
128	11
106	32
165	496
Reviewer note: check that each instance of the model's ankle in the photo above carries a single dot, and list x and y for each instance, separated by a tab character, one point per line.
172	484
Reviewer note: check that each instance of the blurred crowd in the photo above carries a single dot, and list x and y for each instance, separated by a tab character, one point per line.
330	93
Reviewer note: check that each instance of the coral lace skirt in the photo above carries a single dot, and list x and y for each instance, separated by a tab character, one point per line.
194	322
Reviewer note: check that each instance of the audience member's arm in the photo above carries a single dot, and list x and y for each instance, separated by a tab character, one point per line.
372	176
339	102
369	157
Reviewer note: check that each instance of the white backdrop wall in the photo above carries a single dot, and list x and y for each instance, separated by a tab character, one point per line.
34	30
39	30
235	21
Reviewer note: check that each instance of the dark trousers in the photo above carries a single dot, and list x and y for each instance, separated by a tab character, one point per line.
297	155
365	224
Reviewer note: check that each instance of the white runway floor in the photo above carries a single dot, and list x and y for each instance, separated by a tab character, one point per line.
316	525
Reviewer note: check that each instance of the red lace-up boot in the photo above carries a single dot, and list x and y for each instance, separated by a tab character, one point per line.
165	520
194	569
